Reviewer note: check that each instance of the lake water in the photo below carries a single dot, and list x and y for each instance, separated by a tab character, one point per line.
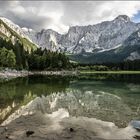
111	98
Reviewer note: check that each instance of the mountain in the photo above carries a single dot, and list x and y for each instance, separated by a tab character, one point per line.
12	32
100	37
128	50
13	38
103	42
45	38
93	38
109	41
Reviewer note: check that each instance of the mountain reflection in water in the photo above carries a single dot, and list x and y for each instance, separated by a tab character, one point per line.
93	97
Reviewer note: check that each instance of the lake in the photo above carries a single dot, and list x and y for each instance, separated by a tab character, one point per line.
106	97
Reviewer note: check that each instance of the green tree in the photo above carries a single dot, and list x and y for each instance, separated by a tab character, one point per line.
7	58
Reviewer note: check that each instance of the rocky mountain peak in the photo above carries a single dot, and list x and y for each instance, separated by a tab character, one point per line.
123	18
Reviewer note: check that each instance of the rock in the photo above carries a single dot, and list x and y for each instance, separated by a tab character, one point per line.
137	137
29	133
1	130
6	128
71	130
135	124
7	137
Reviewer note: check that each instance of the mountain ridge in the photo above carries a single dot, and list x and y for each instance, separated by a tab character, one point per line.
91	38
92	43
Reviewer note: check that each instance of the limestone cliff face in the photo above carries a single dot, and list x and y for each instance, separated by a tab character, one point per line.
93	38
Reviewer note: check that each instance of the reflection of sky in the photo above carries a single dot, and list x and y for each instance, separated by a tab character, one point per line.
136	18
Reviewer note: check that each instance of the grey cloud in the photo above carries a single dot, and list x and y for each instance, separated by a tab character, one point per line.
59	14
29	21
79	11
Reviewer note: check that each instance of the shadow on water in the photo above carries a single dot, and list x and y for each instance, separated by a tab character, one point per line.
103	96
129	78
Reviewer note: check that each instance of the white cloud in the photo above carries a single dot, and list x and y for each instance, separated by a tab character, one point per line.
59	15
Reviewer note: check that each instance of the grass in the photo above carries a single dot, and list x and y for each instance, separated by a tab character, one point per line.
108	72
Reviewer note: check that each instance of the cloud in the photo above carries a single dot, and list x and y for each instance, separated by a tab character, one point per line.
93	12
59	15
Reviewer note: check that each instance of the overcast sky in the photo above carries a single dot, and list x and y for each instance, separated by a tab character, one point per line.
59	15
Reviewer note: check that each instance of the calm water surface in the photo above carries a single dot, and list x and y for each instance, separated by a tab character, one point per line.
113	98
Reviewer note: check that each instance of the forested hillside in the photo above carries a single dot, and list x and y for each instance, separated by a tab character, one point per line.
17	51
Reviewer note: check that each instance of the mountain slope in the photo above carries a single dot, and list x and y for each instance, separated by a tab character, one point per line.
14	36
129	50
111	56
14	27
16	41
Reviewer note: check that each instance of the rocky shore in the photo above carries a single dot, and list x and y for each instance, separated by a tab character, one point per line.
8	74
63	73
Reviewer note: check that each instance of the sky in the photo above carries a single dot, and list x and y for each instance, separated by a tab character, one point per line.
60	15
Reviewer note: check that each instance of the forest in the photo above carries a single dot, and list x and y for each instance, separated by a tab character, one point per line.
125	65
15	56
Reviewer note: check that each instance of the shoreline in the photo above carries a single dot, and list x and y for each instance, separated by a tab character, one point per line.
109	72
63	73
9	74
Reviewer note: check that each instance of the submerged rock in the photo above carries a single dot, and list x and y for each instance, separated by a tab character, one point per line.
135	124
71	130
137	137
29	133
